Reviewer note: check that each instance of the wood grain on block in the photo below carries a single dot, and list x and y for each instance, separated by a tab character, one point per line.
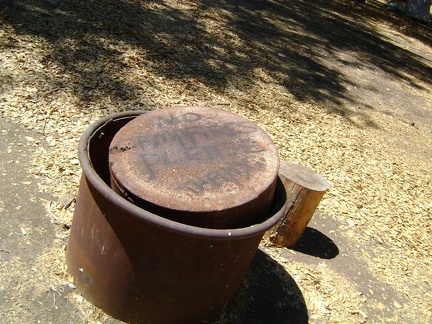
305	189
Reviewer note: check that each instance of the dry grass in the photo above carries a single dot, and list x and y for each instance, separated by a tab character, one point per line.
346	92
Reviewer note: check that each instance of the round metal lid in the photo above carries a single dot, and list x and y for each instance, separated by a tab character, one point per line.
196	159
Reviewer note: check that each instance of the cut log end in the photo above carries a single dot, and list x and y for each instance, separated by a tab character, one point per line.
303	176
305	189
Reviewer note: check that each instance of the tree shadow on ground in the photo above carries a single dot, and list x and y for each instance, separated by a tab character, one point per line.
268	295
317	244
219	44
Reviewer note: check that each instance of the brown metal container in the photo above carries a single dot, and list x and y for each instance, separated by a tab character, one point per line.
196	165
142	268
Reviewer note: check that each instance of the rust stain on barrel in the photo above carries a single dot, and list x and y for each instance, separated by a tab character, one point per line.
196	160
142	268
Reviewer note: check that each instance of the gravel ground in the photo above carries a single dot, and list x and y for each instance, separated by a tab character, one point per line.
341	87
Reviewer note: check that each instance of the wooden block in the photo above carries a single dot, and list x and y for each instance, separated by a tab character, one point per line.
305	188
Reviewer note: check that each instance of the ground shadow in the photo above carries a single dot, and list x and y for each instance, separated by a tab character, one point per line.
317	244
249	42
268	295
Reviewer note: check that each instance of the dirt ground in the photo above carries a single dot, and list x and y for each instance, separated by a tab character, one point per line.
343	87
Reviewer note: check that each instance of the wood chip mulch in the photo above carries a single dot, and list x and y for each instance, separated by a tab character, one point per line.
338	107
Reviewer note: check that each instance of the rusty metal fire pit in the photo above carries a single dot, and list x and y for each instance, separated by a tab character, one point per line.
142	268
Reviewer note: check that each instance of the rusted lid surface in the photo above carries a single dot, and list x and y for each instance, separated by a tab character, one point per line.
196	159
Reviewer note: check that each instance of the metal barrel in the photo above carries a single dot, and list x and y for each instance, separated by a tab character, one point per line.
140	267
